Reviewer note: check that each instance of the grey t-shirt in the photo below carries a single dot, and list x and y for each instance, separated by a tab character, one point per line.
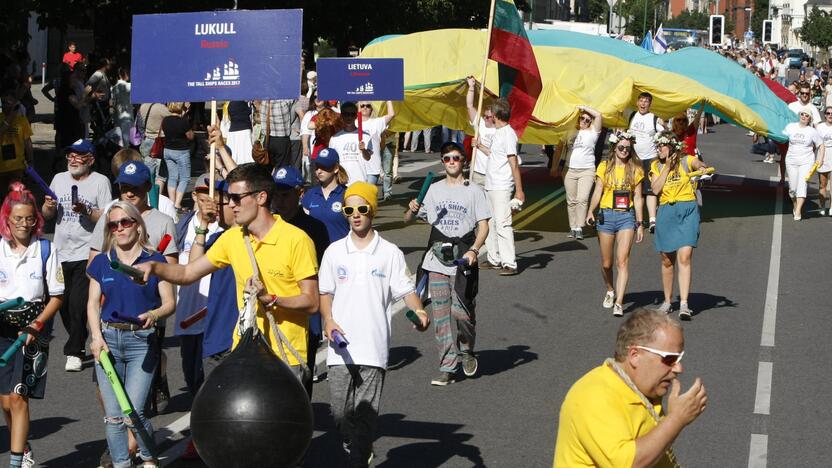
73	231
151	116
455	211
158	224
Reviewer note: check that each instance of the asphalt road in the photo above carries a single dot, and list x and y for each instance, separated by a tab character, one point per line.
541	330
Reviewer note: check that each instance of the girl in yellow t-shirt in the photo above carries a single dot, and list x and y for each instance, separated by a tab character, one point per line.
618	191
677	221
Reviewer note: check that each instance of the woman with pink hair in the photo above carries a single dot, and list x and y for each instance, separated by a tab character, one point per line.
24	257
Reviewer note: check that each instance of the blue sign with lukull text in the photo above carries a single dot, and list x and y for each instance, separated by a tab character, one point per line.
216	55
361	79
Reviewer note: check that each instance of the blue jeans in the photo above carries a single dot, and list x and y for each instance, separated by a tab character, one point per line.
134	361
179	168
387	169
449	134
372	179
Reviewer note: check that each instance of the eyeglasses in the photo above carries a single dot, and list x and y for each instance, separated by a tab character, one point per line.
488	116
804	115
28	220
77	156
827	113
668	359
451	157
366	106
362	210
237	197
803	94
125	223
586	119
622	148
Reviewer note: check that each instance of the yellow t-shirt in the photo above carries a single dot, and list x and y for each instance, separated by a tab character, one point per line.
616	182
677	187
12	143
600	420
285	256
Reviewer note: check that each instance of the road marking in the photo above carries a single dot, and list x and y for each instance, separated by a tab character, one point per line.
525	222
417	166
758	452
762	402
773	284
534	206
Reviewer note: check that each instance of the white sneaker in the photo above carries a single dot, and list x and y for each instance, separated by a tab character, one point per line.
664	308
618	310
28	459
609	298
73	364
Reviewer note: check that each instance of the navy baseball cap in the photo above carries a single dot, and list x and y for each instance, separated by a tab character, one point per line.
288	177
133	173
81	147
327	158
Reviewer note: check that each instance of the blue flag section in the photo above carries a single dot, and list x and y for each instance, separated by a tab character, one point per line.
361	79
217	55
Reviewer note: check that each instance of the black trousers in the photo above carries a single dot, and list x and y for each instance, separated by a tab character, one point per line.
74	307
190	347
280	151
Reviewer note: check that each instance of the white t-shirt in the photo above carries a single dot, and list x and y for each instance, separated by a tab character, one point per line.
192	297
486	135
364	284
825	132
304	127
782	68
375	127
796	107
583	149
644	126
22	275
350	157
802	144
498	172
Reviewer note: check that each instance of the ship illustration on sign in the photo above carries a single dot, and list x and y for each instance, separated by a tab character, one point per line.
225	75
365	89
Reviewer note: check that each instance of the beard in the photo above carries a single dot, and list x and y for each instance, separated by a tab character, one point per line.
82	170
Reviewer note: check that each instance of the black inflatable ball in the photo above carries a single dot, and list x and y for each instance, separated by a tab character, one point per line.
252	411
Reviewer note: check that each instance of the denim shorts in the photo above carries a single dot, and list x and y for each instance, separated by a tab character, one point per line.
616	220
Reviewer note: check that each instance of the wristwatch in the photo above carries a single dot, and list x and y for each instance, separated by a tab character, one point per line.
201	231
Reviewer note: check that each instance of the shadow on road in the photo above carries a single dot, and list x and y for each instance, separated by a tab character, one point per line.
699	302
496	361
401	357
38	429
84	455
442	443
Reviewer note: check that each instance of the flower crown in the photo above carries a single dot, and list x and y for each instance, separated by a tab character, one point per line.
621	135
660	140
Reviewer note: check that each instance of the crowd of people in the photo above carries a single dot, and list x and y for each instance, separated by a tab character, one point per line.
304	173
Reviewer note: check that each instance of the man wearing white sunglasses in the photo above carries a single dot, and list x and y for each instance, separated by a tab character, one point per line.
613	415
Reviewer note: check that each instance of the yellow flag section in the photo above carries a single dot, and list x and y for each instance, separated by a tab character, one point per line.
577	69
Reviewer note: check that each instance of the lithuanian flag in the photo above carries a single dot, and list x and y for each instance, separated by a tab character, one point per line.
519	76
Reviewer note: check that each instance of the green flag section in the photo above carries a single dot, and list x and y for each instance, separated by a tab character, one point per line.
517	67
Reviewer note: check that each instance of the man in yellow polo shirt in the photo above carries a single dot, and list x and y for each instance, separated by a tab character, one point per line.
613	415
288	283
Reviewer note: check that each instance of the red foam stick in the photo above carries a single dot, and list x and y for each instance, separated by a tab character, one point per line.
360	127
188	321
163	244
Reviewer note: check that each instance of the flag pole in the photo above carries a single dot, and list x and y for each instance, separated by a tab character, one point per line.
213	152
482	86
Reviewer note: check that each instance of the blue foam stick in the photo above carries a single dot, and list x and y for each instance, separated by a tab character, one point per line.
126	318
421	286
339	340
38	180
461	262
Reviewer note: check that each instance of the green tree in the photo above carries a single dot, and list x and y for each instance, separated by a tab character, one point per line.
689	20
817	29
635	10
758	16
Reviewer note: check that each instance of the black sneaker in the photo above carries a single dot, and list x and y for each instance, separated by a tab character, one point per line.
444	379
579	234
469	364
106	461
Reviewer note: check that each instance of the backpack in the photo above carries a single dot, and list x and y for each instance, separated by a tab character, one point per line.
655	121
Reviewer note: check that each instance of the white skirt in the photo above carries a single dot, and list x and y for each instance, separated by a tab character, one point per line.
240	144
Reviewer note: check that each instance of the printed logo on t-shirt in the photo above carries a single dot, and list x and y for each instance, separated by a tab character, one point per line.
3	277
450	213
336	207
377	273
342	273
36	276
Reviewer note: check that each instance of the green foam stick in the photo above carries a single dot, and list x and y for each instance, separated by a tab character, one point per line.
118	389
153	196
8	356
425	187
11	303
413	318
135	273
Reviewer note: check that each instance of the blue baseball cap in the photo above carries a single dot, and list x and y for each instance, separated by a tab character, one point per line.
133	173
327	158
288	177
81	147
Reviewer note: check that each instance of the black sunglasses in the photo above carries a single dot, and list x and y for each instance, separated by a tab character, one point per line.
237	197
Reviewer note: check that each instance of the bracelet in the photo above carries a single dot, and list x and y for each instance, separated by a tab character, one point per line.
200	231
273	302
476	251
31	331
153	315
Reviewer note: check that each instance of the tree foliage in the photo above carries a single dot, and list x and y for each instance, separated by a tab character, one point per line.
641	13
689	20
758	16
817	29
342	23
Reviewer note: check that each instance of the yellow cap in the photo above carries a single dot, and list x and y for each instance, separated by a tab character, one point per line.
366	191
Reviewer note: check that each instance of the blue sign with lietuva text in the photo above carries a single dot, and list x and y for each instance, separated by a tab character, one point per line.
361	79
216	55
